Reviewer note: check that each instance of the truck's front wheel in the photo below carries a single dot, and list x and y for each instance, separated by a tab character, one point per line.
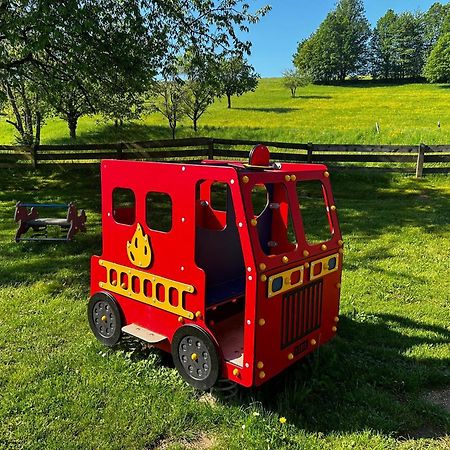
105	318
195	356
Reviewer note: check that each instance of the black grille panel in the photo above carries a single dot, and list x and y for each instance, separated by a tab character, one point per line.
301	312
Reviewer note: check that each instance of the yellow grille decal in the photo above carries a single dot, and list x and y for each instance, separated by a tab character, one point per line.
324	270
126	289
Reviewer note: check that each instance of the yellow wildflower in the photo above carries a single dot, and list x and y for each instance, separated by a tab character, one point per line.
282	419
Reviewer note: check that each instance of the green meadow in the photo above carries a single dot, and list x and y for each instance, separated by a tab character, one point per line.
367	389
379	384
406	114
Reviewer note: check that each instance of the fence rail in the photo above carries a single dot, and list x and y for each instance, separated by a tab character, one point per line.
419	159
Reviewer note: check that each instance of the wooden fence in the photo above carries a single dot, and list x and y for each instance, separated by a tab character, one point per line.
420	159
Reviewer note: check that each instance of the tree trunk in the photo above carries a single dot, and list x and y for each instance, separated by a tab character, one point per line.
121	122
116	123
173	132
195	123
229	101
37	139
293	92
72	122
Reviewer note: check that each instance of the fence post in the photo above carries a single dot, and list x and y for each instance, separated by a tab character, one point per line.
211	149
120	147
420	161
34	154
309	148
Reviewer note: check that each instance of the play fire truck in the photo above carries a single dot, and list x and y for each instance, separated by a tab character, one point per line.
220	263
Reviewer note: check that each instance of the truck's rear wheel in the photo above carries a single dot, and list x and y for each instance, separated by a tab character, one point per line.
105	318
195	356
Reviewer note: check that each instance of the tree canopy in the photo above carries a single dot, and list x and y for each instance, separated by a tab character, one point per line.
339	47
437	68
89	51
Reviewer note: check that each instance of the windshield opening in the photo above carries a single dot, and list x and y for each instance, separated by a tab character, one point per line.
315	214
274	222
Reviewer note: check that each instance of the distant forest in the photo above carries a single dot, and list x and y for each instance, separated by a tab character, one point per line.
409	45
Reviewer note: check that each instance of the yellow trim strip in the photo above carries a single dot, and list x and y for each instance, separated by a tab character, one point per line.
286	275
154	280
325	270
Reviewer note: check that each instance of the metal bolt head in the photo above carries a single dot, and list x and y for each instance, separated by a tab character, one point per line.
334	329
254	222
260	365
324	247
326	174
293	177
336	319
291	356
236	372
285	259
263	278
198	314
313	342
261	322
104	318
287	178
333	208
262	266
305	253
194	356
262	374
245	179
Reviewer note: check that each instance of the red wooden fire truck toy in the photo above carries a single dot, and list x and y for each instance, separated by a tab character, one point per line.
238	286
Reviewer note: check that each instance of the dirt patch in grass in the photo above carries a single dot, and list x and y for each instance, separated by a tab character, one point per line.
203	442
439	397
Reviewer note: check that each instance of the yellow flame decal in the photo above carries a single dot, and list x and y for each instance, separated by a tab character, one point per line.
138	249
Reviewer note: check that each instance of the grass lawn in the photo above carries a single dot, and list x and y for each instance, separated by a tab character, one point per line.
60	388
407	114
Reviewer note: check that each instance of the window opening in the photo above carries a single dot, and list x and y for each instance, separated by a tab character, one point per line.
313	208
124	206
158	211
275	228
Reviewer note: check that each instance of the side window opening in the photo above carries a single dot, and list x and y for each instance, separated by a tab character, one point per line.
274	222
158	211
313	209
124	206
212	205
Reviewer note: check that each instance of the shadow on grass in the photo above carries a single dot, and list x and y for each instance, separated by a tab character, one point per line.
363	380
314	97
269	110
108	132
376	83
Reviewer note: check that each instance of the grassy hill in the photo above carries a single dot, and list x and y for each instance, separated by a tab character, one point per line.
407	114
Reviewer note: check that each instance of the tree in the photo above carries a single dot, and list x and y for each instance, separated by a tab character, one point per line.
169	100
25	108
339	47
437	68
236	77
436	22
384	58
201	84
293	79
100	45
397	46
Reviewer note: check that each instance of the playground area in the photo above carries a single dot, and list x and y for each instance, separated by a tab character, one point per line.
371	387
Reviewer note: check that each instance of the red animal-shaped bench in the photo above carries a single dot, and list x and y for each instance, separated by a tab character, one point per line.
27	214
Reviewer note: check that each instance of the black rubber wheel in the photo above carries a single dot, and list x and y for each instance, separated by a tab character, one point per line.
195	356
105	318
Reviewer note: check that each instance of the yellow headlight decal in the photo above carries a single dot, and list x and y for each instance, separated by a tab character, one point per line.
283	281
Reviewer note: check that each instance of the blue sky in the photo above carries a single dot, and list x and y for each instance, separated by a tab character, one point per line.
276	36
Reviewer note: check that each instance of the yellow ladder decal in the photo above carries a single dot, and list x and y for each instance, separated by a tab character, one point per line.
126	289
